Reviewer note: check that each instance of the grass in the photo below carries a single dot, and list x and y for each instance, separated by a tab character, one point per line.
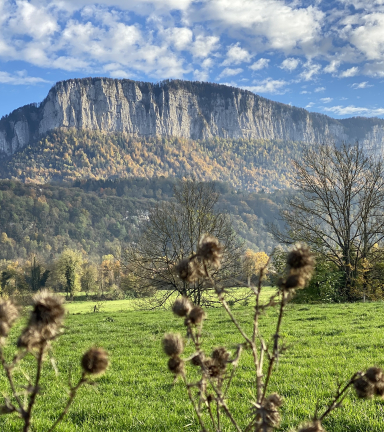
81	307
327	343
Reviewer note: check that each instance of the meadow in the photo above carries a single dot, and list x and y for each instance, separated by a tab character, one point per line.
327	344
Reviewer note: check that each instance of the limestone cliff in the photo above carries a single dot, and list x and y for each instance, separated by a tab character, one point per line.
176	108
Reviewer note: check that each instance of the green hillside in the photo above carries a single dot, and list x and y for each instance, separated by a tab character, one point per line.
97	216
69	155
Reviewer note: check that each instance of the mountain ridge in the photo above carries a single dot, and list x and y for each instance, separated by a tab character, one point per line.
184	109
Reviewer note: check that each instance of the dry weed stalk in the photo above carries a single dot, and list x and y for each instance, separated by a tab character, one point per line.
218	369
43	327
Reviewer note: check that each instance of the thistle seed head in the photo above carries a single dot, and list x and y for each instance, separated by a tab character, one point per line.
8	315
176	365
189	270
47	309
221	357
196	360
182	306
300	256
212	368
314	426
270	414
294	281
196	315
364	388
173	344
379	389
95	361
210	250
374	375
275	399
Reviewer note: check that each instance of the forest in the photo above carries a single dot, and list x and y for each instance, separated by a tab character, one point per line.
96	216
70	155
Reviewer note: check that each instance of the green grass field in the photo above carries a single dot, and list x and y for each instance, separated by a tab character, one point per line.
327	343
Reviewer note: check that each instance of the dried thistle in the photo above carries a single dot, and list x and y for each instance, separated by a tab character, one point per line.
176	365
374	375
189	270
294	281
300	257
173	344
44	322
314	426
211	367
196	315
221	357
8	315
196	360
210	250
95	361
182	306
267	416
364	388
47	310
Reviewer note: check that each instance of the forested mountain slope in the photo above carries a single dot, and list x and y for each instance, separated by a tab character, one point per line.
97	216
251	165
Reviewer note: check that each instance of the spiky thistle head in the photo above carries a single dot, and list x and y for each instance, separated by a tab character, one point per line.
189	270
173	344
47	310
45	321
196	315
95	361
182	306
210	250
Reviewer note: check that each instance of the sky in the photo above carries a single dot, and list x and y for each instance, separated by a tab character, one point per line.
322	55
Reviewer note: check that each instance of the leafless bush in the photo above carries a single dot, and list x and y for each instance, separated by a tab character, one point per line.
209	394
44	326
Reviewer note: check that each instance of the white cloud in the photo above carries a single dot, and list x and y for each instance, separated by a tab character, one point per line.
229	72
203	46
260	64
310	71
352	110
367	35
201	75
268	85
236	55
375	69
361	85
305	92
290	64
310	105
272	24
319	89
32	21
179	37
349	72
20	78
332	66
326	100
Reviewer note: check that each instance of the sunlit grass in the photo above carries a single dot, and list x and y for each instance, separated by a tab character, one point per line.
327	343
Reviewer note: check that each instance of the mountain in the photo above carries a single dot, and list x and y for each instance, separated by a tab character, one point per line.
191	110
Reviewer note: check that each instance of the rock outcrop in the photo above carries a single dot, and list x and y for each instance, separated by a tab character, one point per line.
177	108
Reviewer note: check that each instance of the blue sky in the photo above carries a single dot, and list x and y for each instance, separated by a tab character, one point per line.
325	56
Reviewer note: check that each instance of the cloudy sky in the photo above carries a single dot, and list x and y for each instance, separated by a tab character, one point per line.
326	56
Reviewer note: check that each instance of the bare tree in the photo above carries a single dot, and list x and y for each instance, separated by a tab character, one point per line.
170	236
338	208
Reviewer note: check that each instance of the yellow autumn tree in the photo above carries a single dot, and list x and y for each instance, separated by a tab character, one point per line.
253	262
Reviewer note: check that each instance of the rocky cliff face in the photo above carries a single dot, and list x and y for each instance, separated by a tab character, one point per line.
176	108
